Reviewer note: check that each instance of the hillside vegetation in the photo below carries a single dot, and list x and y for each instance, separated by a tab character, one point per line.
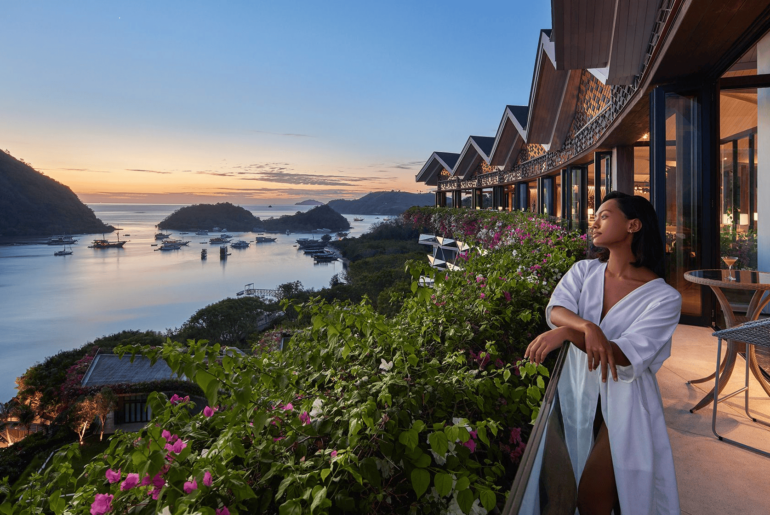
208	216
382	203
321	217
32	204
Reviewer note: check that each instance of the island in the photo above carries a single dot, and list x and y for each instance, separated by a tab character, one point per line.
208	216
32	204
310	202
236	218
321	217
382	203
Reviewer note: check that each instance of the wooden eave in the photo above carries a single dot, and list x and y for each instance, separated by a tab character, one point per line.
438	161
548	85
470	157
582	33
510	136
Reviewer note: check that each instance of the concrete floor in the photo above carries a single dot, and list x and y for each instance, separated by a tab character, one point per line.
713	476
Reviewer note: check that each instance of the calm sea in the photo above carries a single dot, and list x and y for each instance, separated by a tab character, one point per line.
50	303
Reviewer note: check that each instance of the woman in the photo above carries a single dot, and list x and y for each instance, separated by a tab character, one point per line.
619	315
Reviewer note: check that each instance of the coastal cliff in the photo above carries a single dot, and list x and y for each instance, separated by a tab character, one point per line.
32	204
382	203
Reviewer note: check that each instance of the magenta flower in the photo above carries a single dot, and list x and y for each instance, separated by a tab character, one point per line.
278	439
223	511
470	444
177	447
288	407
304	418
102	504
131	481
207	481
507	296
334	454
174	400
112	476
482	296
208	412
190	486
474	434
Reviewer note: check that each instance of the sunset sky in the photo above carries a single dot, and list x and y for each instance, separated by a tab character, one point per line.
255	102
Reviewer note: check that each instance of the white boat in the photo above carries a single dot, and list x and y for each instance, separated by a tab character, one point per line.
177	242
161	236
63	252
358	219
61	240
240	244
264	239
169	245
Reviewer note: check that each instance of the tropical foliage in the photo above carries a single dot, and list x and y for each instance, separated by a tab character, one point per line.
426	411
208	216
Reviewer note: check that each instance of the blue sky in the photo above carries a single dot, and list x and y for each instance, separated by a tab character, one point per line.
255	101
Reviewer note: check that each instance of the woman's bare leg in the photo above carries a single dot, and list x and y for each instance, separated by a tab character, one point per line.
597	492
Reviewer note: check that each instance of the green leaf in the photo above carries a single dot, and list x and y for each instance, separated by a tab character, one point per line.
418	425
488	499
138	458
318	498
283	486
506	375
481	432
534	393
292	507
463	483
465	500
409	438
412	359
543	371
443	483
260	420
540	383
423	461
369	471
420	481
438	443
325	473
56	502
209	384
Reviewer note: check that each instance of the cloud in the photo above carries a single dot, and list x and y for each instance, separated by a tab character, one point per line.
409	166
217	174
307	179
290	134
75	170
146	171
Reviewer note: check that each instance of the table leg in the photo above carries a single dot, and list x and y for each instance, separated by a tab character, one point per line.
732	352
755	309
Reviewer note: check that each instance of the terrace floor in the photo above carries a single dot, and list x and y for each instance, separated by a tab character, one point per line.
713	476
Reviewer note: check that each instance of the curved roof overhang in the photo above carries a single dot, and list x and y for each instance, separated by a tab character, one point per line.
548	88
510	137
431	170
611	41
476	149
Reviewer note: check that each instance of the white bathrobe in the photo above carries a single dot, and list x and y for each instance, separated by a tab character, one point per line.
641	324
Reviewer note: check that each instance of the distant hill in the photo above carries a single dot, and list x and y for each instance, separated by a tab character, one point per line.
310	202
207	216
32	204
382	203
321	217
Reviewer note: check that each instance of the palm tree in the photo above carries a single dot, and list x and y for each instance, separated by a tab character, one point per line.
25	416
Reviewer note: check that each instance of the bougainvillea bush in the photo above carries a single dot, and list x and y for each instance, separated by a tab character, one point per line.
424	412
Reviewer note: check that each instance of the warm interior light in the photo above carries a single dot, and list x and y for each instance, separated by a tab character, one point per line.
725	219
590	212
744	219
645	136
756	218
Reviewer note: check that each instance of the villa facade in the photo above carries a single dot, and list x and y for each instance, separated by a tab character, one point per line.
666	99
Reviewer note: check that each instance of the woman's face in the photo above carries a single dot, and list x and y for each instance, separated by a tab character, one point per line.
611	226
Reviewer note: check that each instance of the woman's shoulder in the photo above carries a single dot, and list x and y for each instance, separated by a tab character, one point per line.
664	293
586	266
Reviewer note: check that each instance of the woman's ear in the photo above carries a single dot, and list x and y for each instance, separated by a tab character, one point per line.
634	225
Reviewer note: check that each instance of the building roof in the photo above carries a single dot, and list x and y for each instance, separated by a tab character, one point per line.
511	134
476	149
437	162
107	369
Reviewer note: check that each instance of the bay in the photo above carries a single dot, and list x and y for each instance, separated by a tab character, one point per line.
50	303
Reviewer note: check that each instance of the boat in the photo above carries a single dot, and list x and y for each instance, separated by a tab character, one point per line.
182	233
161	236
264	239
61	240
106	244
177	242
202	233
247	290
204	254
358	219
270	205
63	252
130	235
219	240
169	245
287	232
240	244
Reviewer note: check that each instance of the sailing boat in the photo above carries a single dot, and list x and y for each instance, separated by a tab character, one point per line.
106	244
63	252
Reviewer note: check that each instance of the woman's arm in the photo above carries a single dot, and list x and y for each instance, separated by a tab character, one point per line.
585	335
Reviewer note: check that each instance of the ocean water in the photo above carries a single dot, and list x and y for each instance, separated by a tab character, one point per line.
50	303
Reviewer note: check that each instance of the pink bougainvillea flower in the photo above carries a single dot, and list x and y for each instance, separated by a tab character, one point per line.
278	439
207	480
515	435
102	504
304	418
131	481
482	296
474	434
158	481
190	486
155	493
334	454
288	407
222	511
178	447
112	476
507	296
208	412
470	444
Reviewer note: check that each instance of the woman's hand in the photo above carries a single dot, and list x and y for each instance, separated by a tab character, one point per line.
541	346
599	350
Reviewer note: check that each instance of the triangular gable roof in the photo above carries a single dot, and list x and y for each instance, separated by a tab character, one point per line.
545	97
510	137
109	369
475	149
429	174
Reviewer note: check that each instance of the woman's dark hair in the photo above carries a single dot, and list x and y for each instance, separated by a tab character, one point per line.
647	244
